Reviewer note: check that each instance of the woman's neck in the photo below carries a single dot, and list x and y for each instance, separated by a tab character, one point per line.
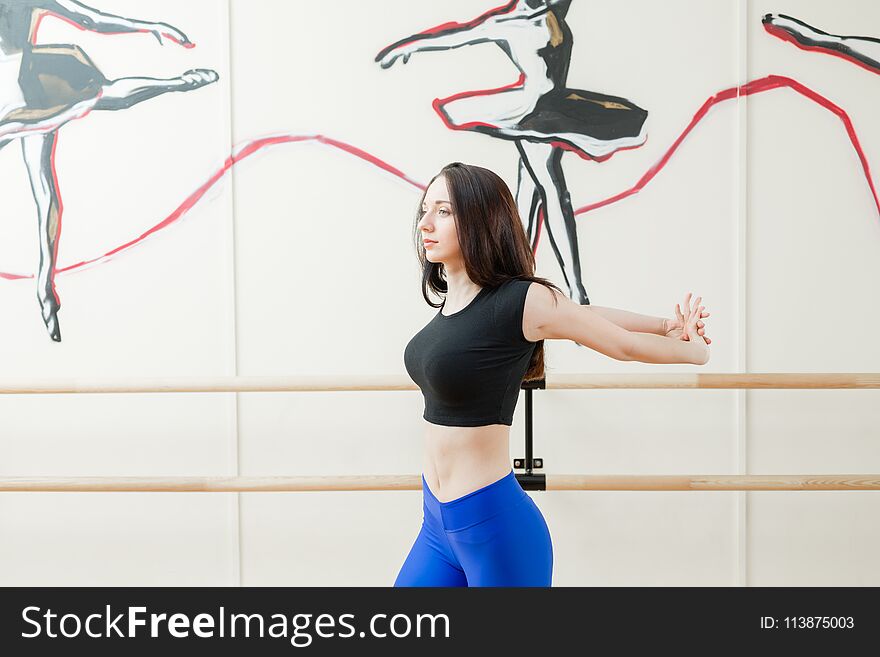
459	286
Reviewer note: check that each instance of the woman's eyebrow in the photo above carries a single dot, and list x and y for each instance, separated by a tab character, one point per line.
436	202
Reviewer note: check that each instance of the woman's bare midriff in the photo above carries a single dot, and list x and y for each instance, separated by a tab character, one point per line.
460	460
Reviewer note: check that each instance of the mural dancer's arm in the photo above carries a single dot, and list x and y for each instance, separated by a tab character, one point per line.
443	37
98	21
863	50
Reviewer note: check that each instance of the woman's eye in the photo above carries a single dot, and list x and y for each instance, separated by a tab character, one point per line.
424	212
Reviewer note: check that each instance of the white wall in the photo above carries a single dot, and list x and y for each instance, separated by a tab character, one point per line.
300	262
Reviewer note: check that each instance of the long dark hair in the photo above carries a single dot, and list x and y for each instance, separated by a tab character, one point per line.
493	243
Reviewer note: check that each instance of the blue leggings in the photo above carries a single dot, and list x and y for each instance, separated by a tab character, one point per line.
493	536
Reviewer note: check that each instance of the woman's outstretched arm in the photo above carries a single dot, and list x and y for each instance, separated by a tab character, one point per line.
647	324
649	348
632	321
565	320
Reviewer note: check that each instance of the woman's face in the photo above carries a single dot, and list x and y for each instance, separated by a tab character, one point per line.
437	224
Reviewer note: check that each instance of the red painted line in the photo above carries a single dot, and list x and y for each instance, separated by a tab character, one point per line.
249	149
755	86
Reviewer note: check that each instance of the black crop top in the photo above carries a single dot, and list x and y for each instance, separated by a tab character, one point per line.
470	364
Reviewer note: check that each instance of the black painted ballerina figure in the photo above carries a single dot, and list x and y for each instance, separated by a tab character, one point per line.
42	87
539	113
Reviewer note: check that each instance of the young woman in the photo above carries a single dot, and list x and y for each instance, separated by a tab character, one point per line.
480	528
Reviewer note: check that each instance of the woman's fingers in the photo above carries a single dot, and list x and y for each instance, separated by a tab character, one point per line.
694	318
690	317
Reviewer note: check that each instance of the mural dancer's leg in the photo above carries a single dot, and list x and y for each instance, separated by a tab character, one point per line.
527	200
37	152
543	161
126	92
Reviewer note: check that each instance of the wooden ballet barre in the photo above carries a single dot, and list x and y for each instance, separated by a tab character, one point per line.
766	482
323	383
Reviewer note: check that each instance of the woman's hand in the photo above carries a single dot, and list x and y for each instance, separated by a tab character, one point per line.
690	316
674	328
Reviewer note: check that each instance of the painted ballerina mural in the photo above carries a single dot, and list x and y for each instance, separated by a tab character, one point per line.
539	113
42	87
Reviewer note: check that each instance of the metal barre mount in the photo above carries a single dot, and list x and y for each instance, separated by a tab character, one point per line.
530	480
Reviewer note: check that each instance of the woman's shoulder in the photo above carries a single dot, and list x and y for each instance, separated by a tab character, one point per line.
522	286
514	282
518	289
541	305
517	306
